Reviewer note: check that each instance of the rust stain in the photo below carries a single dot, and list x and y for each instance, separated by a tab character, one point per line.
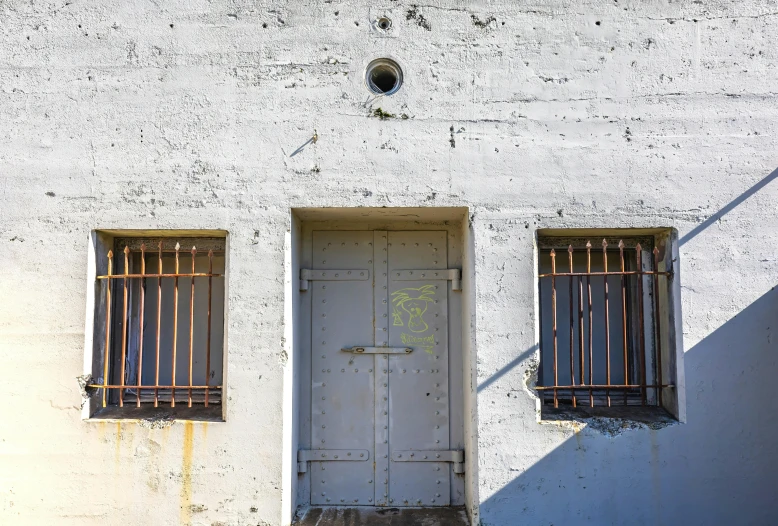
118	452
186	474
165	435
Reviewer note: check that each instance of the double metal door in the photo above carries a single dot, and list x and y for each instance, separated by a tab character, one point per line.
380	393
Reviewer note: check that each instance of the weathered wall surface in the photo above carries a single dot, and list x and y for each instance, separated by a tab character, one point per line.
549	114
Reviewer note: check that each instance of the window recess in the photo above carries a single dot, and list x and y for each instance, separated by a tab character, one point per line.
606	324
159	326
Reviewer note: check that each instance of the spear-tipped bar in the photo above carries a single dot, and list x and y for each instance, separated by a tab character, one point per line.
140	322
119	360
633	378
108	310
553	322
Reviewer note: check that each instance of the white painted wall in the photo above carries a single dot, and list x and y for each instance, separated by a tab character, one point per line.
557	114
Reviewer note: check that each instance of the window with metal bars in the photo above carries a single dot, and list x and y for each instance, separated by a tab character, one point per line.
605	324
159	326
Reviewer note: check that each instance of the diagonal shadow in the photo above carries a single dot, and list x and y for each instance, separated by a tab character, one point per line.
687	237
728	208
721	467
513	363
312	140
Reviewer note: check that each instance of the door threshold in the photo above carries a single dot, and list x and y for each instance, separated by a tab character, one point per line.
355	516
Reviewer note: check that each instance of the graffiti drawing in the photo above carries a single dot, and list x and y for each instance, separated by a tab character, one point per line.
414	302
397	315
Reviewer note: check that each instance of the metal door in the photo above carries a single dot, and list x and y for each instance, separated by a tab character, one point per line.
380	393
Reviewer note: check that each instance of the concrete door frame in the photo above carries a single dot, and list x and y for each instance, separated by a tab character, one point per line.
296	344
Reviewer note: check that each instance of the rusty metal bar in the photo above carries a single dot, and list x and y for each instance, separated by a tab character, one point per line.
572	328
613	273
553	323
160	275
191	324
125	323
589	301
581	358
609	387
162	386
658	329
140	323
107	325
175	328
159	322
639	375
624	317
641	325
208	340
607	321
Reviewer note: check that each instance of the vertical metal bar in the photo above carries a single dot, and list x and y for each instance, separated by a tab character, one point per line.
581	358
658	329
589	306
107	324
159	323
641	325
607	322
553	322
191	325
125	323
140	323
572	328
624	318
175	330
208	339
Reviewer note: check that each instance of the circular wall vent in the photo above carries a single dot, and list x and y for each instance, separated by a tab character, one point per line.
383	76
384	23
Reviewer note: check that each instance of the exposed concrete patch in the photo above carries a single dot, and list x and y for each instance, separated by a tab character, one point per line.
606	425
630	419
156	422
86	392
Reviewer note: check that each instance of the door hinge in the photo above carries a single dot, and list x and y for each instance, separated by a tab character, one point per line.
378	350
329	455
454	275
456	456
353	274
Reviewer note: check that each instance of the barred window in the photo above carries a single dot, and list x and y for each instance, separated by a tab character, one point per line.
159	327
606	325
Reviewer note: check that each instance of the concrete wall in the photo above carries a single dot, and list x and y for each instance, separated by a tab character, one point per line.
553	114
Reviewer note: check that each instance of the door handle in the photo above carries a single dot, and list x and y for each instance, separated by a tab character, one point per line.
378	350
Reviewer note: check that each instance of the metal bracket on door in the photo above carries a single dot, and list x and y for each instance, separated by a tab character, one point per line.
354	274
457	457
454	275
328	455
378	350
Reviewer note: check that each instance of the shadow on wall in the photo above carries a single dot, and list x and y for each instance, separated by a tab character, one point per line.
728	208
719	468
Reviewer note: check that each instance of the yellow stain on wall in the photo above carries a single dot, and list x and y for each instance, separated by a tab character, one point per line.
186	475
118	452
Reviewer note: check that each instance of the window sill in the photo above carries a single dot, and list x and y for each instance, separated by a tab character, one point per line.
149	414
609	420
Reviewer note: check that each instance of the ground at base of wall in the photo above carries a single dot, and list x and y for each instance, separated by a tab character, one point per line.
454	516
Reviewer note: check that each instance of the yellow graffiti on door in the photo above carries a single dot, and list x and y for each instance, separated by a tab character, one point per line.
414	302
425	342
